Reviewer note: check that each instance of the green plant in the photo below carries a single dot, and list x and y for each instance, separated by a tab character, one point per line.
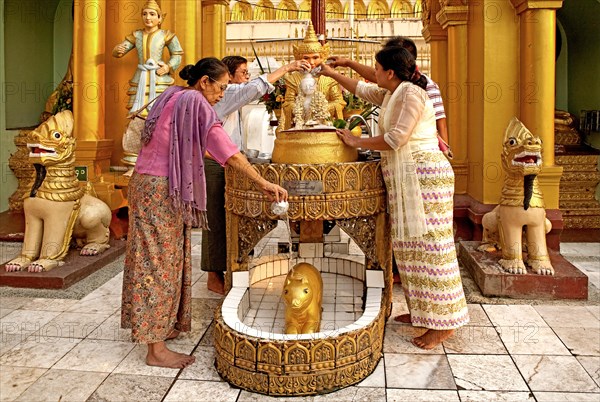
353	102
275	99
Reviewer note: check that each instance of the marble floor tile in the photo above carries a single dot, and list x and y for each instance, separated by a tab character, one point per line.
591	364
478	316
565	396
208	338
192	337
568	316
418	371
25	322
489	373
9	341
578	250
532	340
593	279
14	302
189	390
595	310
97	303
110	330
580	341
113	286
555	373
588	267
135	362
475	340
397	339
45	304
15	380
246	396
495	396
421	395
376	379
73	325
354	394
520	315
95	355
63	386
204	366
125	387
37	351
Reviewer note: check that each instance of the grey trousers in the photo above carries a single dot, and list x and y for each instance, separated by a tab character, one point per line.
214	240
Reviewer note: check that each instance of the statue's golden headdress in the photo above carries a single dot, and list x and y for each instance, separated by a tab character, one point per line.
310	45
153	5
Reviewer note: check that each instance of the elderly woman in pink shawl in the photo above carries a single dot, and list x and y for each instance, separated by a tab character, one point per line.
167	196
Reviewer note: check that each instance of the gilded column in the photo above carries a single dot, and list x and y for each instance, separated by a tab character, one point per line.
452	17
214	14
437	37
186	26
537	20
93	150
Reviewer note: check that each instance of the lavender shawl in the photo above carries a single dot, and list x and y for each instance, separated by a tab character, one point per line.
191	121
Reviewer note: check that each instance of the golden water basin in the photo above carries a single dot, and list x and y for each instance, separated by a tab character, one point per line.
320	145
267	361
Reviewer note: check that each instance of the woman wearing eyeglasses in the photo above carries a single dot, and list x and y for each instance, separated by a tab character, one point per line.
167	196
239	93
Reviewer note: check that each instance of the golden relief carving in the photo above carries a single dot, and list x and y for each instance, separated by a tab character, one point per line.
345	186
362	231
250	233
292	367
269	358
245	355
323	356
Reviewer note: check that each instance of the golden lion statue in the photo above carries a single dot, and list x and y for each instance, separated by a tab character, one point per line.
57	207
521	205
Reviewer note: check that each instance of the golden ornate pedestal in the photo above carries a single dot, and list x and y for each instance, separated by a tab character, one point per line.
353	195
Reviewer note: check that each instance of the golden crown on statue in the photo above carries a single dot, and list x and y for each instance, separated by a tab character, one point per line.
310	45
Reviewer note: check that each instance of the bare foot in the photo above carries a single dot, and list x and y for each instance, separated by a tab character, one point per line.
432	338
161	356
216	282
173	334
403	318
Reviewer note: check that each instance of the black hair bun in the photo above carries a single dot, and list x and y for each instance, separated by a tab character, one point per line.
187	73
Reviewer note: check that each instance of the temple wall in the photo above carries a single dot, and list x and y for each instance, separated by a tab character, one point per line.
8	182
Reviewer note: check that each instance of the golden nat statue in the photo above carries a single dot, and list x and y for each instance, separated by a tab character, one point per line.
522	204
57	206
312	51
303	296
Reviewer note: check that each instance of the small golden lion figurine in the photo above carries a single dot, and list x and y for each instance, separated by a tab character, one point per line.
58	208
303	295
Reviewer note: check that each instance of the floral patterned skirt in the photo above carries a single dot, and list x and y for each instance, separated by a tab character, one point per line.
428	266
157	290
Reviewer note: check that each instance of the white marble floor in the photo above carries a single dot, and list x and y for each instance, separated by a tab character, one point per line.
73	350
